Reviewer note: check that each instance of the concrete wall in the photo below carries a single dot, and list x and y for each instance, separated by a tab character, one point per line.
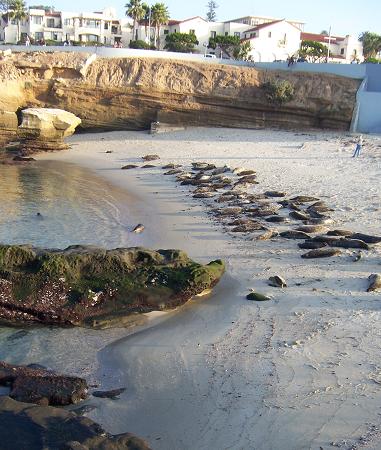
369	112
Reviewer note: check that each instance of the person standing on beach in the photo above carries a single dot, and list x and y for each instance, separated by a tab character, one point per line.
358	147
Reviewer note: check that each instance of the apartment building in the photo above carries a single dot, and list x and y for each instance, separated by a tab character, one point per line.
253	21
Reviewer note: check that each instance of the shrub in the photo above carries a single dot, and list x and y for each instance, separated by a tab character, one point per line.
373	61
181	42
139	44
279	91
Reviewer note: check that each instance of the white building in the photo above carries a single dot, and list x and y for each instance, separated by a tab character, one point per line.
253	21
341	49
273	41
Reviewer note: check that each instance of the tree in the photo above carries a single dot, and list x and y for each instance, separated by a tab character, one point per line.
227	44
242	51
18	12
135	10
313	51
211	12
159	17
181	42
325	32
371	43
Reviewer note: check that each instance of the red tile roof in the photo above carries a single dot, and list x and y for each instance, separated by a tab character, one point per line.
320	38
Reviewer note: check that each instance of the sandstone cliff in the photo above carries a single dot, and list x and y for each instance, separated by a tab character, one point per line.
130	93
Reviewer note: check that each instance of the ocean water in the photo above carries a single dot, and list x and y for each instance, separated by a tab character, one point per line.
75	206
53	204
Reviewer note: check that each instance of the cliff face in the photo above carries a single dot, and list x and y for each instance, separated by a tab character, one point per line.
130	93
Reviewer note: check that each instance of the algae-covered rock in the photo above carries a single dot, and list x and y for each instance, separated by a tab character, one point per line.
90	286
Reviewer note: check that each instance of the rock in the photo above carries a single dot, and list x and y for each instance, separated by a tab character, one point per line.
150	157
32	427
89	286
374	282
41	386
255	296
304	199
129	166
366	238
293	234
139	228
113	394
275	194
277	281
321	253
46	128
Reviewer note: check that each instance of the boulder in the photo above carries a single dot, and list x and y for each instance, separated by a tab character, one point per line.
46	128
42	386
33	427
89	286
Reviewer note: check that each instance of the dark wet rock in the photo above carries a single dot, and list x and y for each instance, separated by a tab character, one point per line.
374	282
36	366
345	233
294	234
276	219
312	228
23	158
312	245
113	394
42	386
277	281
321	253
88	286
129	166
139	228
150	157
275	194
171	166
304	199
257	297
298	215
33	427
369	239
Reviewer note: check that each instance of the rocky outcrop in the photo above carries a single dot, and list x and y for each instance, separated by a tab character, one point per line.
32	427
94	287
46	128
131	93
42	386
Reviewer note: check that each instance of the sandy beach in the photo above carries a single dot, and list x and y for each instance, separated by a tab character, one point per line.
301	371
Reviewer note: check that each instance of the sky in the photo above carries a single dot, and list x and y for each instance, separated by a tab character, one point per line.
344	16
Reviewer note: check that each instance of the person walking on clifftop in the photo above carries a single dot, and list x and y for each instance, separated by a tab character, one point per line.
358	147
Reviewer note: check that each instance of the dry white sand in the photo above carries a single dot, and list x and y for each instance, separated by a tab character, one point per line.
300	371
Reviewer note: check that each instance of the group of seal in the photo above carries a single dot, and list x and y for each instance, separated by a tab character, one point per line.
230	198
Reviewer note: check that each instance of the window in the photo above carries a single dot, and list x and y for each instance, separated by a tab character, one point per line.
237	34
269	34
192	31
67	22
50	23
14	22
37	20
90	23
342	51
213	34
355	52
38	35
54	36
106	26
166	31
253	35
226	33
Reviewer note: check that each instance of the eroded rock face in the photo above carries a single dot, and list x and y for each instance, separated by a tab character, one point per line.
131	93
42	386
32	427
46	128
89	286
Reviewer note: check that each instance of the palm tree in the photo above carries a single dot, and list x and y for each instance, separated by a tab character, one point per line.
146	17
160	16
371	43
18	12
135	10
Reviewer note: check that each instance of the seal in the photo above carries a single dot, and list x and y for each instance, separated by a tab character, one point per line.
321	253
374	282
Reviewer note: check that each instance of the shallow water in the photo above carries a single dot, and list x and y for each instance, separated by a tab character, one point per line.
55	204
76	207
